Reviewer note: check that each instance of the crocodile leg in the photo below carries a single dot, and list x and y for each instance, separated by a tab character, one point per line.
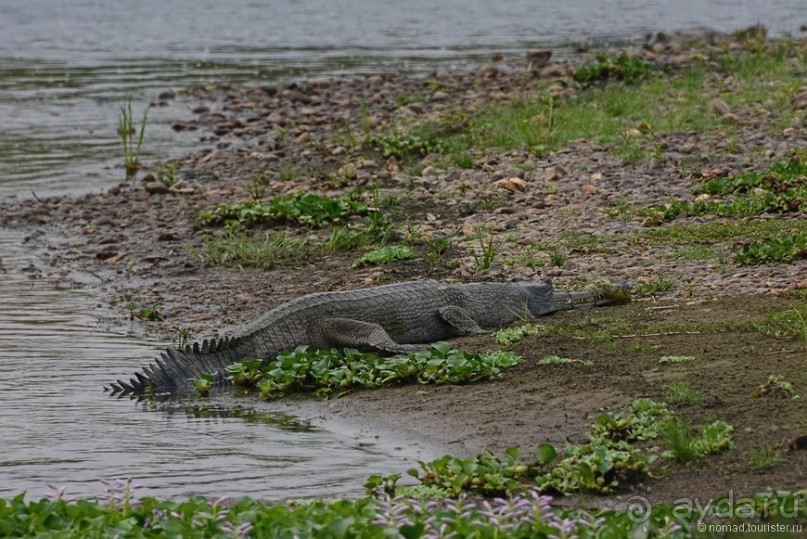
460	320
349	333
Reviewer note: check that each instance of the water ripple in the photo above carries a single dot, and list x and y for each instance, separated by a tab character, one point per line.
56	424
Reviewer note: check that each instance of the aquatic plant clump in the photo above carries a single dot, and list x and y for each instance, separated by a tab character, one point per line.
118	512
307	209
614	454
329	372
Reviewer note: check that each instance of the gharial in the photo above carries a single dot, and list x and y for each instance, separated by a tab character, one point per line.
395	318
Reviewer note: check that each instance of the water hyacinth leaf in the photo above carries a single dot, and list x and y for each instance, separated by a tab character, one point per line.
545	453
443	348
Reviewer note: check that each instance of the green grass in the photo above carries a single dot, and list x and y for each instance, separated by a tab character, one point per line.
243	250
654	286
130	136
680	439
681	393
628	116
289	172
765	458
789	323
717	232
685	444
484	254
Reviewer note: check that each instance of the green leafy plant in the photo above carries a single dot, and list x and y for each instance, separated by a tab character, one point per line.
130	136
183	337
623	67
334	372
151	313
166	174
381	256
514	334
776	387
309	209
685	445
780	188
676	359
405	146
783	249
436	250
557	360
204	384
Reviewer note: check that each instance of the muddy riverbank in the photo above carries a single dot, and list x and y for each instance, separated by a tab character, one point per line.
568	213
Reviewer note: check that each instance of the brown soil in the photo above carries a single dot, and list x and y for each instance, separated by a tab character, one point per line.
139	242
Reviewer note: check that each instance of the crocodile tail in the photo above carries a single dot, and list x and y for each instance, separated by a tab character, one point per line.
176	369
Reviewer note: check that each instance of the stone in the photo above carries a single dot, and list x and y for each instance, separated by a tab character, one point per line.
319	82
489	71
799	101
538	59
156	188
555	173
512	184
719	107
553	71
439	96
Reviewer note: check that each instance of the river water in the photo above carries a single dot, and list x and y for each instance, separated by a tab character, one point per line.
64	69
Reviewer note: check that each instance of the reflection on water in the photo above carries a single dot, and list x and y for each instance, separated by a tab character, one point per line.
57	425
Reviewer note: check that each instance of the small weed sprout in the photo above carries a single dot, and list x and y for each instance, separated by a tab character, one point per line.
556	257
486	255
765	458
166	174
131	138
151	314
676	359
776	387
680	440
183	336
436	250
557	360
681	393
656	286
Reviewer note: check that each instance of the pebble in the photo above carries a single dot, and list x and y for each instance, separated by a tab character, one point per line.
799	101
719	107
